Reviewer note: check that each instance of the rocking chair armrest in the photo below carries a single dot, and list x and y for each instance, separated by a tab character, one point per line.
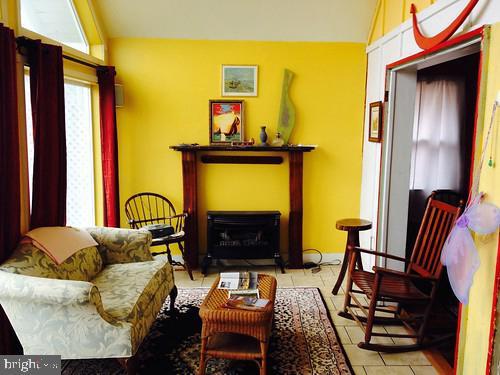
378	253
386	271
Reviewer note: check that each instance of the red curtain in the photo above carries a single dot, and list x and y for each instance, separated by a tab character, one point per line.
109	145
48	207
9	170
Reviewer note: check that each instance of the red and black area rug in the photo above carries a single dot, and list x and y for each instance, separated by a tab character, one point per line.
304	341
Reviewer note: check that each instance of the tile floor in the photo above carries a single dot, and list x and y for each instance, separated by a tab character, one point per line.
363	362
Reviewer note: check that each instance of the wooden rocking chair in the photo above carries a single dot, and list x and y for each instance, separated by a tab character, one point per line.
396	293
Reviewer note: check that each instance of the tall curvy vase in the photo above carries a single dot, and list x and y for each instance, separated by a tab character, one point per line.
286	120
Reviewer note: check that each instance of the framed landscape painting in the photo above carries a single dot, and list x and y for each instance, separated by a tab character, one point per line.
226	121
375	122
239	80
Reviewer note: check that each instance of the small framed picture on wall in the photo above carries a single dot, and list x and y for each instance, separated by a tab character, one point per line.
375	122
226	121
239	80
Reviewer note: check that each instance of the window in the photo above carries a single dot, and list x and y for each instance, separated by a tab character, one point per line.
55	19
80	210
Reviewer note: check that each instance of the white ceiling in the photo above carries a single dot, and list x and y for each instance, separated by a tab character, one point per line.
275	20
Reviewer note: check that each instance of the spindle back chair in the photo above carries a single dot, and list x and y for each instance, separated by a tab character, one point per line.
148	208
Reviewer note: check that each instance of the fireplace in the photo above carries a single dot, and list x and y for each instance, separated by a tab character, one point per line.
243	235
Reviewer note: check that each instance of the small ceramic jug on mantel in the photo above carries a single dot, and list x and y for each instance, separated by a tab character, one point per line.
278	141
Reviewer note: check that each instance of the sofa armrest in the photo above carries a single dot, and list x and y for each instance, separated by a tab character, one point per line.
44	290
39	290
119	245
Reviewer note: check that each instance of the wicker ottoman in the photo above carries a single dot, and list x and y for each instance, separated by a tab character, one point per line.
236	334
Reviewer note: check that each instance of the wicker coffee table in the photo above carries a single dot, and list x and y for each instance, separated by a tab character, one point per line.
233	333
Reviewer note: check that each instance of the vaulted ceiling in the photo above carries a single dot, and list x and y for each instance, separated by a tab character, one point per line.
275	20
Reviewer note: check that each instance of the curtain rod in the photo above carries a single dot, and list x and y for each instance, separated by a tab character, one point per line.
82	62
23	41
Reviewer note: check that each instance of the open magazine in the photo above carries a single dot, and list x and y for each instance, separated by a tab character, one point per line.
238	281
244	293
246	303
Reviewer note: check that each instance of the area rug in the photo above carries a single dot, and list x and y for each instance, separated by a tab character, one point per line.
303	341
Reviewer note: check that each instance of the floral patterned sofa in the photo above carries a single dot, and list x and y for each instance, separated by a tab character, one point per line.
99	303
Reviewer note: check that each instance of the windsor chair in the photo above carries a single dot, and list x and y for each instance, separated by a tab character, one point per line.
148	208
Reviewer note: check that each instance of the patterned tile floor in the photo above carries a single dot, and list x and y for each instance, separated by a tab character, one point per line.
363	362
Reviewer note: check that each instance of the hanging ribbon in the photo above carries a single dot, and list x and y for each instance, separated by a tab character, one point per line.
459	254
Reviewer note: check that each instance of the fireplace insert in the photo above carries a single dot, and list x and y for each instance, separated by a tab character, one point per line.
243	235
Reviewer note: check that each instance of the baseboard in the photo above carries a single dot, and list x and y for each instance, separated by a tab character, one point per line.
335	258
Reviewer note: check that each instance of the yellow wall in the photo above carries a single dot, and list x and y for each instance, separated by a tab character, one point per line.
391	13
474	344
8	12
167	85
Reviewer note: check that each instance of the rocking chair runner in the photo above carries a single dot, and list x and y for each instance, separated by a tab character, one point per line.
402	288
150	208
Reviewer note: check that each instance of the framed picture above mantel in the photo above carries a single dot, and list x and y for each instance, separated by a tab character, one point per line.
239	80
226	121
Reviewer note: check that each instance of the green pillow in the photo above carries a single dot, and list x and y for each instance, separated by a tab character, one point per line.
28	260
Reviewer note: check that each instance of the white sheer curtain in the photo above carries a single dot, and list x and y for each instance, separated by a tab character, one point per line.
439	115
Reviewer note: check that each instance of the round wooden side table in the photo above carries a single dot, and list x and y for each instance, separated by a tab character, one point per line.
352	227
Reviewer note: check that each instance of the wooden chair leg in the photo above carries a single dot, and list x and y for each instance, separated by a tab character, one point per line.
428	309
186	264
169	255
371	310
347	299
342	272
173	296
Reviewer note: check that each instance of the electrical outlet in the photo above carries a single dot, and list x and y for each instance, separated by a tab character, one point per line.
498	97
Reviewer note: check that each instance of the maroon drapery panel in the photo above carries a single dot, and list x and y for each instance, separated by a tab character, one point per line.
109	145
10	197
48	206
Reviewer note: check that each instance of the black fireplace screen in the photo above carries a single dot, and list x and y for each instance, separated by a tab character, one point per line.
243	235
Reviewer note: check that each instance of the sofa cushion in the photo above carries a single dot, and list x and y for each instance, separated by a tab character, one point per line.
28	260
127	288
133	292
118	245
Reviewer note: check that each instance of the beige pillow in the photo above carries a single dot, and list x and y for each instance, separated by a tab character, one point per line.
60	243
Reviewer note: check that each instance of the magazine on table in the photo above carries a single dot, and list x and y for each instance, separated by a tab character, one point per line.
246	303
244	293
238	280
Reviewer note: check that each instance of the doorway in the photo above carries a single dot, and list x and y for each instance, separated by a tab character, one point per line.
443	133
428	145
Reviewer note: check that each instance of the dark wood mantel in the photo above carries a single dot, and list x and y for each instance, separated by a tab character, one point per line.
253	148
189	179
